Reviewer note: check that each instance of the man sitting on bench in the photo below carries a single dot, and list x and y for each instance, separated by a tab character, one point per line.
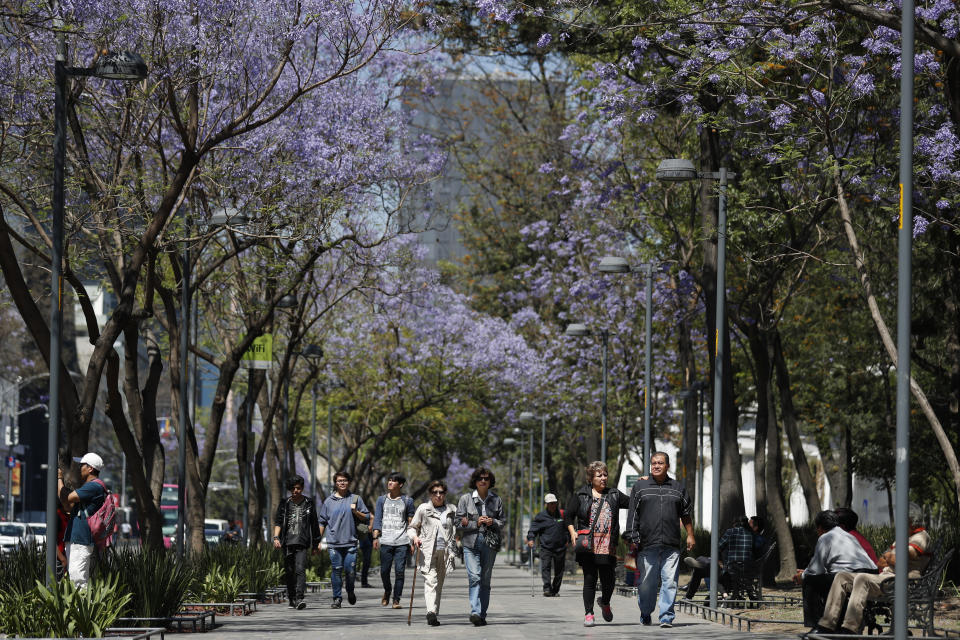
857	588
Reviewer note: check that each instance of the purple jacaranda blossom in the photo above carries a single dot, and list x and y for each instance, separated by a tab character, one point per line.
544	40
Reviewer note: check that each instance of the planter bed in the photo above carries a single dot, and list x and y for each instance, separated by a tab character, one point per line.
314	587
238	608
190	621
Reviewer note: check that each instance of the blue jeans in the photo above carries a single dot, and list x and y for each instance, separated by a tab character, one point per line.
658	565
479	564
343	558
393	557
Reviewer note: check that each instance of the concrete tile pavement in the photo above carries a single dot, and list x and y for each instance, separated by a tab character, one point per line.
513	614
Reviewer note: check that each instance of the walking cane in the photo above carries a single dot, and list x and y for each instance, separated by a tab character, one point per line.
533	578
413	587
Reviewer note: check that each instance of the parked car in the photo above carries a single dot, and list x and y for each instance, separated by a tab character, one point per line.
13	534
39	532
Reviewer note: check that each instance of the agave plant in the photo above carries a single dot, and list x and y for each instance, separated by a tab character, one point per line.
68	612
21	568
221	585
157	580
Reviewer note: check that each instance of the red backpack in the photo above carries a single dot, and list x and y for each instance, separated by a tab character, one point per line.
103	523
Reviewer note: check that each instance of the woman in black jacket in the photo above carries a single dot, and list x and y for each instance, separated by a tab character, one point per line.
594	511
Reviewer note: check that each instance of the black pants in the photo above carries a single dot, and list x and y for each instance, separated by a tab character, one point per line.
726	581
815	591
552	561
591	571
295	570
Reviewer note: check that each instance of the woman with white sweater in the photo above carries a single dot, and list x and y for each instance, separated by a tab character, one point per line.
432	533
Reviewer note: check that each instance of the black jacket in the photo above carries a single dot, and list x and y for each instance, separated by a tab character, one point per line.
580	503
655	512
309	534
551	529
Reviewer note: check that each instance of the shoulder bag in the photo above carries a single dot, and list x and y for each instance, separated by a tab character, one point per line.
584	542
363	523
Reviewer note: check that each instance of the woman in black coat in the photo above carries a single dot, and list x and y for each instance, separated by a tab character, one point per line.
594	512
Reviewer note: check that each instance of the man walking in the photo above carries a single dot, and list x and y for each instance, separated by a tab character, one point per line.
552	529
81	504
296	530
392	515
658	505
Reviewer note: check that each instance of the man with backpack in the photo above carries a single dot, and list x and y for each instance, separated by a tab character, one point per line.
82	504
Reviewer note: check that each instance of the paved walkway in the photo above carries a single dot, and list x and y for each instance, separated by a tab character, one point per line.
513	614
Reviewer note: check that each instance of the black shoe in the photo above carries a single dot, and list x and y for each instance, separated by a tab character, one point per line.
475	619
556	593
351	597
547	593
292	605
818	629
366	585
301	605
432	619
483	622
336	603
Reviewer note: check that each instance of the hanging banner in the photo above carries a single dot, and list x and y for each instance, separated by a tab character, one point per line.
260	353
15	481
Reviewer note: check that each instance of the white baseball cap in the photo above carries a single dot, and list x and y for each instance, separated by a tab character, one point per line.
547	499
91	459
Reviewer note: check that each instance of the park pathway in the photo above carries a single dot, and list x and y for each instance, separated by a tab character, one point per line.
513	614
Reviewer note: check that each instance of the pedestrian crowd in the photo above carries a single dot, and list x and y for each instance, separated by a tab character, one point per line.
843	573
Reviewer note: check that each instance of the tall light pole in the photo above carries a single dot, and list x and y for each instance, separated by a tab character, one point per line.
313	353
904	275
677	170
527	416
122	66
615	264
577	329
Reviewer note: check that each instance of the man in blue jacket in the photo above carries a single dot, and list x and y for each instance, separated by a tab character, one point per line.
338	517
659	504
391	516
552	529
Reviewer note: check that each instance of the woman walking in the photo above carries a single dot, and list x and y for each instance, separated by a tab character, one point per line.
481	518
432	532
338	517
593	523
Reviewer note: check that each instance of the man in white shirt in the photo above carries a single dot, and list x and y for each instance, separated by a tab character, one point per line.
836	551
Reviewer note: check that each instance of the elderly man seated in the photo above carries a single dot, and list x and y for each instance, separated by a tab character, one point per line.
836	552
856	589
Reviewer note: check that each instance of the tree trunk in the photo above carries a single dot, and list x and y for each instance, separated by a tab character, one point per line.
807	482
776	506
762	375
942	439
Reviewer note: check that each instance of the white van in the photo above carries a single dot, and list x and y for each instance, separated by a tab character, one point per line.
216	523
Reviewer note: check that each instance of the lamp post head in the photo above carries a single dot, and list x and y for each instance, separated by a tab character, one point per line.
126	65
509	442
526	416
228	216
312	351
288	301
577	330
676	170
614	264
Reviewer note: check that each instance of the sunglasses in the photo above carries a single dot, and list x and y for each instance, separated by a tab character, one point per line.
438	493
483	479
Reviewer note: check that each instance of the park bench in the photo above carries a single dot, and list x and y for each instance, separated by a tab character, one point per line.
921	595
747	577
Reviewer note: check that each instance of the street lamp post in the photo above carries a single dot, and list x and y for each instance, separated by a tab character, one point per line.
577	329
123	66
614	264
313	353
676	170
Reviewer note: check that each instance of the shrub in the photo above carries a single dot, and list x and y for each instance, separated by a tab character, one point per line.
157	580
62	610
22	568
221	585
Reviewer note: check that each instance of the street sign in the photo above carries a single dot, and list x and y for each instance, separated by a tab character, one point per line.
260	353
11	462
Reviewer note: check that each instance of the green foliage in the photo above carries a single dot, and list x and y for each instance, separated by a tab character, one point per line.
255	568
157	580
63	611
221	585
22	568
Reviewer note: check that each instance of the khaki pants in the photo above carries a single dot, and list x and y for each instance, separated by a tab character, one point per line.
856	588
433	582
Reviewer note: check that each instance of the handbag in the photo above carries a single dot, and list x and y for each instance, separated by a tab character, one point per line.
490	535
362	522
584	543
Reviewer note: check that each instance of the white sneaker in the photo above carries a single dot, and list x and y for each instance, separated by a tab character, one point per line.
588	620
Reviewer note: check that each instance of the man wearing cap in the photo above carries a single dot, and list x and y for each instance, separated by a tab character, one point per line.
549	525
81	503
